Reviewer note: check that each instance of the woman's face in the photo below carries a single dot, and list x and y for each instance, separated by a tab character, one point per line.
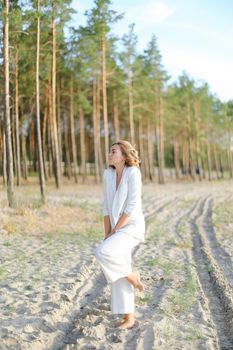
115	156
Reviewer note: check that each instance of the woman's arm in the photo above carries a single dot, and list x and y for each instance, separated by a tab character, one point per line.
107	225
122	221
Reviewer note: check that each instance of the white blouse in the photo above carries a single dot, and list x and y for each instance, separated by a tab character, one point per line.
127	198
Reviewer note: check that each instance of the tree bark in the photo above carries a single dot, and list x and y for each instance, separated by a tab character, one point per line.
54	119
82	144
72	131
116	116
7	121
209	161
13	134
18	170
150	151
216	163
4	159
190	142
44	128
198	149
130	101
141	149
104	92
160	142
230	164
38	127
176	159
59	123
221	164
96	134
100	155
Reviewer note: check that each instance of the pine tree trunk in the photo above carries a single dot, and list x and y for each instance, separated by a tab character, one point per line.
176	159
216	163
116	116
130	100
67	148
100	155
141	149
54	118
221	164
24	153
18	170
190	142
229	157
51	147
209	161
39	142
1	149
150	150
59	124
7	121
104	92
146	159
202	146
44	128
72	131
96	135
4	160
13	136
198	150
82	144
31	145
160	142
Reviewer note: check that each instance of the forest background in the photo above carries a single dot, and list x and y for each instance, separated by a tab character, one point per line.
68	91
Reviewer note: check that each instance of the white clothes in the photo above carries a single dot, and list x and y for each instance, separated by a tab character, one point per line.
122	297
126	198
114	255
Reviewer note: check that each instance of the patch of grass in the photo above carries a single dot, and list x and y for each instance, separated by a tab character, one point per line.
145	299
193	334
69	203
11	308
153	262
3	273
156	231
169	331
223	213
169	267
22	204
10	227
183	244
185	203
7	244
88	206
180	300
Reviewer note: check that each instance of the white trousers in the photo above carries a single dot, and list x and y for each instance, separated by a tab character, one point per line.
114	255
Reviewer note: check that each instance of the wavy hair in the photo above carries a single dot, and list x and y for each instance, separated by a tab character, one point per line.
129	152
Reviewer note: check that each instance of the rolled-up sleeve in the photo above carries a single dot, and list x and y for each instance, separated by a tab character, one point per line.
134	191
105	201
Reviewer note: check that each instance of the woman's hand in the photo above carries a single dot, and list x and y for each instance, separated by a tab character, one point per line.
113	230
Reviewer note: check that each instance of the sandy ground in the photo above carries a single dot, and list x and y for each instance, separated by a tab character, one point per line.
54	296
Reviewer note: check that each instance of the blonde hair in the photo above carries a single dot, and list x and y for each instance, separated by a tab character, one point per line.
129	152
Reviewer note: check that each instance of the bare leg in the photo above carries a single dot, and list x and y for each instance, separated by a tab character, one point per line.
127	322
134	279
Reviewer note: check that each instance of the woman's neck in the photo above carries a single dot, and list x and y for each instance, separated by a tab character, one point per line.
119	170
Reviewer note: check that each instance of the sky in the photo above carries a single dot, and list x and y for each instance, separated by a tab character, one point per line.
194	36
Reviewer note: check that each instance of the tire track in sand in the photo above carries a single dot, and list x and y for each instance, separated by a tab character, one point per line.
215	286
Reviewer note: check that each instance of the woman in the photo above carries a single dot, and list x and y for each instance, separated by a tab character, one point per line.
124	227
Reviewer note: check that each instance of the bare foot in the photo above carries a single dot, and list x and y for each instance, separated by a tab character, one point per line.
126	324
135	280
119	323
